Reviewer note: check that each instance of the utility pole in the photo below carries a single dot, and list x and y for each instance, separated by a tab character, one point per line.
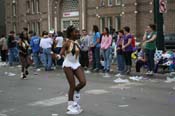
159	21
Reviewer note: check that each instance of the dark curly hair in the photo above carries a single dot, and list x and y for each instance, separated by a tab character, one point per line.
69	30
95	28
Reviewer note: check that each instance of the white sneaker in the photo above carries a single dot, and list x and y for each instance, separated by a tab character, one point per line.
77	97
136	78
87	72
106	75
119	80
73	109
38	69
22	75
149	73
119	75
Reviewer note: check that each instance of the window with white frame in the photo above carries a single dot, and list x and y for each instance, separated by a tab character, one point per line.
118	2
33	27
14	27
28	6
14	9
117	23
70	5
76	23
28	26
109	22
102	24
37	28
33	6
102	3
37	6
110	2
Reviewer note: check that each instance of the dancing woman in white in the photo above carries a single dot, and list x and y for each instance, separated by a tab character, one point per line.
72	69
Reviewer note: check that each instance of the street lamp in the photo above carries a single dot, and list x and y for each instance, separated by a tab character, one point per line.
158	20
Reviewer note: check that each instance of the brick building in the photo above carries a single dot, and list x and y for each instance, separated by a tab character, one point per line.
42	15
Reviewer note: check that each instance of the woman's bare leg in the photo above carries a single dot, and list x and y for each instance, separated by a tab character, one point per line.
79	73
71	80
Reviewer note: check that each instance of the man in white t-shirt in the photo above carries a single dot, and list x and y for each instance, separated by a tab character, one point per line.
46	45
59	44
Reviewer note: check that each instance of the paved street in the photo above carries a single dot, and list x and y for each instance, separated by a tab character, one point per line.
45	94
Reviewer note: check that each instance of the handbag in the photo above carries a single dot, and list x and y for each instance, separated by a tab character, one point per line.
29	60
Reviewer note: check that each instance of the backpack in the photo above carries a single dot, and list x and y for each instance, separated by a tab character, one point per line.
133	42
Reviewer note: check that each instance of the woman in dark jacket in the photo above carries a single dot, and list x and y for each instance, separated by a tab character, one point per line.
23	47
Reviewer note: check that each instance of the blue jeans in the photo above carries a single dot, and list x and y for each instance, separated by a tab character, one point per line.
13	54
120	63
150	59
111	56
47	58
106	54
57	50
42	58
36	59
96	57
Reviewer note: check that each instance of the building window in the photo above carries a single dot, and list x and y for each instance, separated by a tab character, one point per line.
37	6
14	9
117	23
14	27
66	24
33	6
109	22
33	27
70	5
118	2
28	26
102	3
76	23
110	2
37	28
102	24
28	6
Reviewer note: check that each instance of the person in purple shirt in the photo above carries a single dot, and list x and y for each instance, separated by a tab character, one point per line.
127	48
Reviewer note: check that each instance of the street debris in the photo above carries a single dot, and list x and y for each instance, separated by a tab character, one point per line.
39	89
38	70
55	115
136	78
174	88
87	72
119	80
122	106
3	115
10	74
19	66
96	92
172	74
3	64
106	75
170	80
120	86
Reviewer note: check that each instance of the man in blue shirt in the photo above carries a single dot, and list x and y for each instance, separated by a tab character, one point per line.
34	43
